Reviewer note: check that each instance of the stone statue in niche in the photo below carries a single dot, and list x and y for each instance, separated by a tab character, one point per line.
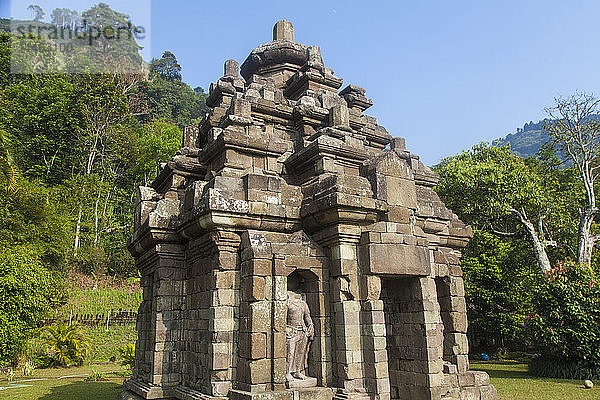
299	334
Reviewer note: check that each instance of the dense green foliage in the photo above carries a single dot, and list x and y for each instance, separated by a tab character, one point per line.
564	326
482	186
28	293
497	287
169	98
127	355
73	149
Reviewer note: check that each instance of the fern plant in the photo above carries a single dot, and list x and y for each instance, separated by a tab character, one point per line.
67	343
127	355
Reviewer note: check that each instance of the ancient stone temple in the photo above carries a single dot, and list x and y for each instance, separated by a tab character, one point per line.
294	250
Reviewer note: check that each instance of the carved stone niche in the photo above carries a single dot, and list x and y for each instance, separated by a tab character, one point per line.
299	333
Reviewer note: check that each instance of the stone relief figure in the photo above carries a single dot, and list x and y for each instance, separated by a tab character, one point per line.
299	334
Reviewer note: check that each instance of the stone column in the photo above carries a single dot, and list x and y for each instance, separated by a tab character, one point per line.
375	354
167	310
144	344
223	307
261	365
434	337
342	241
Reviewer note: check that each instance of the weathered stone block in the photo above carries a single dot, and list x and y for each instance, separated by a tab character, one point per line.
339	117
395	259
254	288
260	371
488	392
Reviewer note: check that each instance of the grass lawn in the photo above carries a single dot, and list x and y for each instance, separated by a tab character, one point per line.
64	383
514	383
509	377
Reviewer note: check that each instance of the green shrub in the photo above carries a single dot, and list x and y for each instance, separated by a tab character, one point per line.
35	351
28	368
95	377
498	293
67	344
565	328
127	355
553	368
28	293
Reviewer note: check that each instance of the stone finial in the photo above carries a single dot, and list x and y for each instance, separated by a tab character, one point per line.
231	68
190	135
398	143
283	30
313	55
339	117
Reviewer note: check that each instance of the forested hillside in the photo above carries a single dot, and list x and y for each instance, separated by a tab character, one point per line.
73	149
527	141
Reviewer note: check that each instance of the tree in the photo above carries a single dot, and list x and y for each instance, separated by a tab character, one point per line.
494	190
37	12
173	101
166	67
104	109
575	128
63	17
101	16
517	208
112	35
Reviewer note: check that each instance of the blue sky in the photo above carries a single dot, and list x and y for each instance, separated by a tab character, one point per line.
444	75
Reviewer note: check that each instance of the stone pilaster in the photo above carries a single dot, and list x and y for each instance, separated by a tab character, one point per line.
167	307
342	242
222	318
374	340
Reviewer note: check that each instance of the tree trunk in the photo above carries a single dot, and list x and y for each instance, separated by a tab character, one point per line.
96	219
539	247
585	240
78	229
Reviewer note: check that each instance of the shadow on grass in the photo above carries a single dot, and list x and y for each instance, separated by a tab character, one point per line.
502	369
506	373
500	362
84	391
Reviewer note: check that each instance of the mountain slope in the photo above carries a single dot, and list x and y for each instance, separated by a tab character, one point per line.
526	142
